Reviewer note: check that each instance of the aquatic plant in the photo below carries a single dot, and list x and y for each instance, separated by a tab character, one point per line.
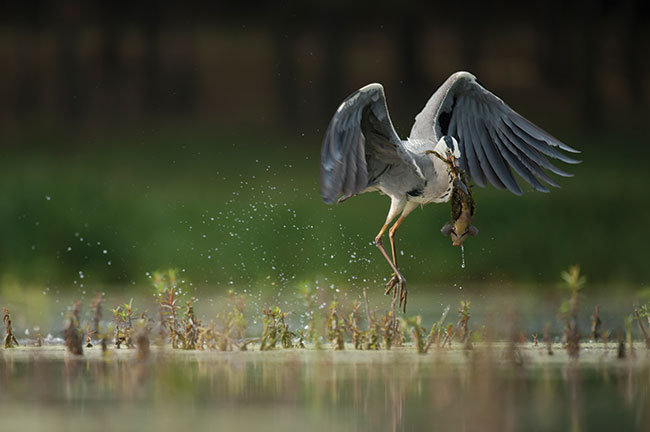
238	321
621	345
336	328
449	333
223	339
123	316
275	329
118	337
440	334
383	329
167	291
645	313
228	333
352	323
376	329
595	325
92	328
547	339
270	333
419	337
574	281
190	325
73	332
10	339
628	334
207	337
464	334
438	329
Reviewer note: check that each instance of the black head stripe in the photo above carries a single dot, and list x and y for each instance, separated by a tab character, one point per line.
449	142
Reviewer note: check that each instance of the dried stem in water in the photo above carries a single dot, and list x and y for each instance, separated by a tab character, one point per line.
10	339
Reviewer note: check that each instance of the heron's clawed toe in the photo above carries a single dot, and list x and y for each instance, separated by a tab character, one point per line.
402	294
394	280
397	284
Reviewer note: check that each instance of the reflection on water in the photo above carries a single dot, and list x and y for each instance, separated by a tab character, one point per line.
322	390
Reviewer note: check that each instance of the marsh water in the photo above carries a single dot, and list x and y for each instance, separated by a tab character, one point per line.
494	387
498	386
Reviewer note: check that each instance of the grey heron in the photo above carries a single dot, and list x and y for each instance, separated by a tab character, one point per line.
361	152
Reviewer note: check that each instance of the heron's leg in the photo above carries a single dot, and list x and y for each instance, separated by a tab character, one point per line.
396	206
391	237
408	208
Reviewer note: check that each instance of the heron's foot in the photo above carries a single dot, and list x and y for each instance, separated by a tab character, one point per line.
402	295
397	285
394	281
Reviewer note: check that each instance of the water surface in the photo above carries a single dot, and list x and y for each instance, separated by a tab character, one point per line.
494	387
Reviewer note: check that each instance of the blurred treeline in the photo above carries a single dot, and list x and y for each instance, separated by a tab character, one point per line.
149	134
270	64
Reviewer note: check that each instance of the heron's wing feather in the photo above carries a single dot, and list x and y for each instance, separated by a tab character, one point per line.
494	139
359	145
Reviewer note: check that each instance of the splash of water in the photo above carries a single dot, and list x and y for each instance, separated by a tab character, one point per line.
462	254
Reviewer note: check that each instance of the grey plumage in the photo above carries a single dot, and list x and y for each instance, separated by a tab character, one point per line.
362	152
361	143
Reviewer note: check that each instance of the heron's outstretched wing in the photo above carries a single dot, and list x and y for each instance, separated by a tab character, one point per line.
360	144
493	138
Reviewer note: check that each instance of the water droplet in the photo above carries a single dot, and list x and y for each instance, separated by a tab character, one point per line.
462	254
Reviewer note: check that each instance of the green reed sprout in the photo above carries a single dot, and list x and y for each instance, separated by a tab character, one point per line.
574	282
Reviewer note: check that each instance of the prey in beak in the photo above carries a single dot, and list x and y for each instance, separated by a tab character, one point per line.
462	204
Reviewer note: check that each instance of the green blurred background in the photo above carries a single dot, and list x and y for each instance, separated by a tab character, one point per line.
148	136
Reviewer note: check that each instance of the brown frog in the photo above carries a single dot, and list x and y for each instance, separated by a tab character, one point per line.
462	203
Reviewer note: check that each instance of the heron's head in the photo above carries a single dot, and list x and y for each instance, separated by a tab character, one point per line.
459	231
